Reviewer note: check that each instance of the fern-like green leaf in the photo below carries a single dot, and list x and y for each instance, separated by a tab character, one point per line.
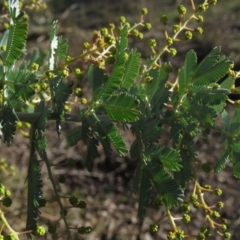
213	74
115	79
226	120
223	159
16	42
184	175
62	48
136	149
203	114
106	128
74	135
184	76
159	78
99	134
151	131
144	186
228	83
9	124
132	67
169	157
164	183
208	62
19	83
236	169
91	153
122	42
86	131
61	89
34	193
209	96
44	115
95	80
121	107
235	125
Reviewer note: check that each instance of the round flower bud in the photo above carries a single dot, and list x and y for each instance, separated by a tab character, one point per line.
186	218
6	25
214	2
218	192
3	48
144	11
198	30
199	18
73	200
154	228
220	205
227	235
188	35
111	26
104	32
83	101
40	231
148	26
169	41
164	19
152	42
175	28
86	45
181	10
122	19
172	51
203	7
224	227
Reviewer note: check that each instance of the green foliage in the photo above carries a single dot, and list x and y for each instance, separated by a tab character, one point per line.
128	94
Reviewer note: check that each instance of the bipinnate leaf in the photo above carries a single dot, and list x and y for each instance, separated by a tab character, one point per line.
131	71
34	192
236	169
16	42
121	107
169	157
9	124
62	90
151	131
115	79
91	153
185	73
44	112
211	69
62	48
183	176
20	82
208	62
222	161
143	181
165	184
157	84
107	129
95	80
74	135
235	123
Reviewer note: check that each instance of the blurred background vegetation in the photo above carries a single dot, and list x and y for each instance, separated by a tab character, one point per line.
112	208
78	19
